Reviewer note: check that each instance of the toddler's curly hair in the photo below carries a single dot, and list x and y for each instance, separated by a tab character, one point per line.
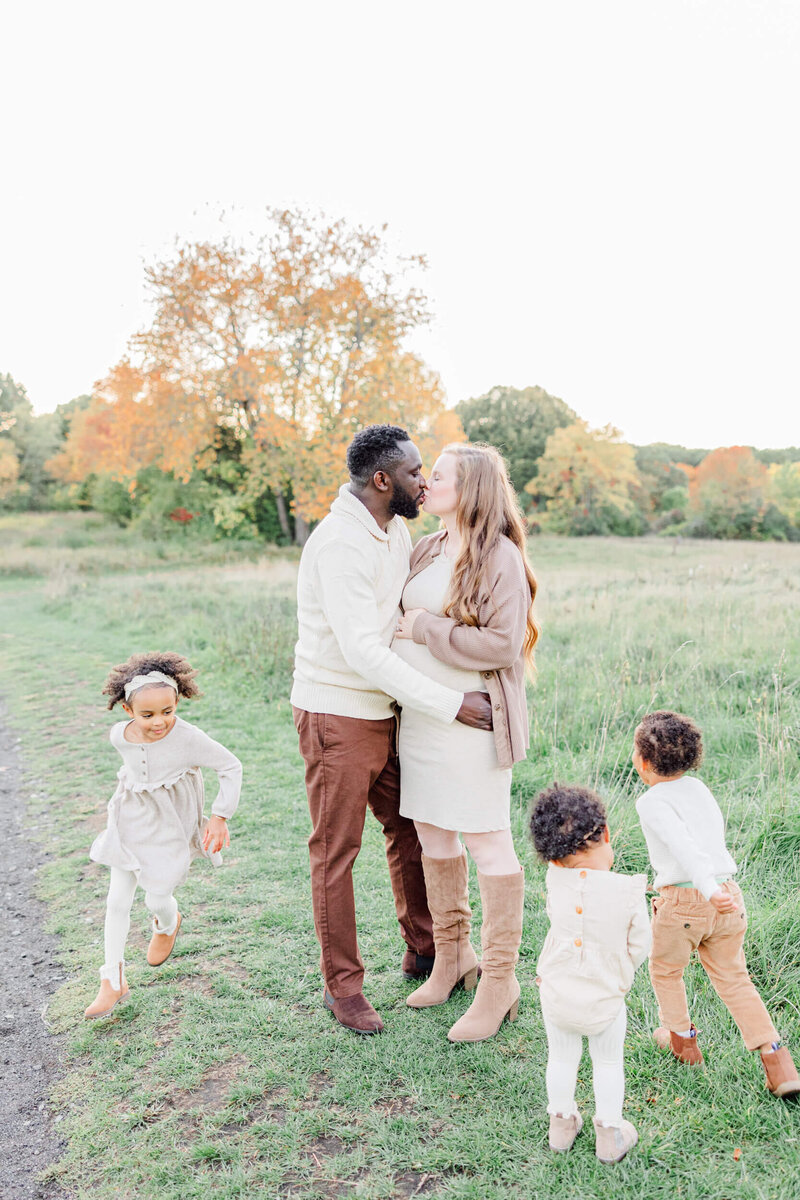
167	662
670	742
565	818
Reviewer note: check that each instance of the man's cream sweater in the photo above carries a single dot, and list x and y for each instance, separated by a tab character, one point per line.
351	578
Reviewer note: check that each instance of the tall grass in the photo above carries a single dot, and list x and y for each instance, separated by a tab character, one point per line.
224	1076
60	546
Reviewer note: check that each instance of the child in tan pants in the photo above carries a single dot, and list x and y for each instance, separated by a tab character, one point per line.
699	906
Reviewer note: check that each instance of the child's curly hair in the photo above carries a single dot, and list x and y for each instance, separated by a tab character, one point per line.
670	742
167	662
565	818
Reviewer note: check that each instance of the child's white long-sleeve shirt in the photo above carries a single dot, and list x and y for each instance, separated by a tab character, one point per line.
147	766
685	834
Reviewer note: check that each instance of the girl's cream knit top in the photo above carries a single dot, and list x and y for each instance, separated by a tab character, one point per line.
599	934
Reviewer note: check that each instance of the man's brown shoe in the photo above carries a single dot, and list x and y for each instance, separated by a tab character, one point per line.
781	1072
354	1012
686	1050
416	966
161	945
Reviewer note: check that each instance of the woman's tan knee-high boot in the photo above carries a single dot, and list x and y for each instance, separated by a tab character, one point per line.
446	881
497	996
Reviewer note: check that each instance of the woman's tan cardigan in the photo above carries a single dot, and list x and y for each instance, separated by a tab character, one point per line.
494	647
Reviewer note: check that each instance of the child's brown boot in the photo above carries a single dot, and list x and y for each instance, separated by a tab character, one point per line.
685	1049
781	1073
612	1142
161	944
563	1131
113	989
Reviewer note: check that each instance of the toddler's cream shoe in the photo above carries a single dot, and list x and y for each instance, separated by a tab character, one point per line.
612	1142
563	1131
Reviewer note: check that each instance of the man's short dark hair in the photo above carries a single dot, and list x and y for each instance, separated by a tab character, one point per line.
374	449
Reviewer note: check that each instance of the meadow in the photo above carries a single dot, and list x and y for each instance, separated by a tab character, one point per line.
224	1076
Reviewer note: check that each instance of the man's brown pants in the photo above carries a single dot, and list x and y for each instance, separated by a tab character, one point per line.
352	763
683	921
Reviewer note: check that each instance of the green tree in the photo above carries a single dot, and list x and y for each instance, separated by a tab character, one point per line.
789	454
517	423
9	469
783	490
587	478
727	494
660	474
33	440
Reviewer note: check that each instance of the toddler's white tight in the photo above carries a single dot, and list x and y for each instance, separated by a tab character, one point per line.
118	914
608	1068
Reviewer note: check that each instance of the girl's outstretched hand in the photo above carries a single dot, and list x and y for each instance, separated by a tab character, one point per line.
216	835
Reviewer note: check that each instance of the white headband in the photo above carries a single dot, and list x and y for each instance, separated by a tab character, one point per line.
139	681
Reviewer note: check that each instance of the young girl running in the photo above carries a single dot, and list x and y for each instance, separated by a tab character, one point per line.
599	934
699	906
155	817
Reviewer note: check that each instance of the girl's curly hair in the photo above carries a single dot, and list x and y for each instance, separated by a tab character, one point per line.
669	742
167	662
565	818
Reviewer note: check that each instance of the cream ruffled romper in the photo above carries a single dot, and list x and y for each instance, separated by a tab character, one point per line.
155	827
155	817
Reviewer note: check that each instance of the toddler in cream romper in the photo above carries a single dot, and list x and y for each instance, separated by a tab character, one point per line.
599	934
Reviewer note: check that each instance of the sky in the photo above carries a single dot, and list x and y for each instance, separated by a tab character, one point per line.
607	193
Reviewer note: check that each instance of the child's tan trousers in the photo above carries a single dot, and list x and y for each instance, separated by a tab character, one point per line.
683	921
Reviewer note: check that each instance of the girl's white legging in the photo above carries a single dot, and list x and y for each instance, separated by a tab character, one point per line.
118	919
606	1049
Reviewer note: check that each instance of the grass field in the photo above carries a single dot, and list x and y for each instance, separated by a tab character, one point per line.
223	1076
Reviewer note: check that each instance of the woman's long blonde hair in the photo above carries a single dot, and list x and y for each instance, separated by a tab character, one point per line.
487	509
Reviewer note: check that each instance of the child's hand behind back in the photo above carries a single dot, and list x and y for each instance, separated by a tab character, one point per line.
723	902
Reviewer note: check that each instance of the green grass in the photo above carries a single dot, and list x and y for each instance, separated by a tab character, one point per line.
223	1076
65	546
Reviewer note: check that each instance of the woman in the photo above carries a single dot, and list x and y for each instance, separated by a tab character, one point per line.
468	623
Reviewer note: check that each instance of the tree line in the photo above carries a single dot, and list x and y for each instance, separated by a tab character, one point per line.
232	410
577	480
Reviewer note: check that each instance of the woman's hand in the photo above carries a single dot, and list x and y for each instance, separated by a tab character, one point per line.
405	625
216	835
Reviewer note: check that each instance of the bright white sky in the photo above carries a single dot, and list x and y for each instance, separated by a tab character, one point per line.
608	190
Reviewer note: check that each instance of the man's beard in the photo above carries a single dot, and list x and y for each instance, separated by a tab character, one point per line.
403	504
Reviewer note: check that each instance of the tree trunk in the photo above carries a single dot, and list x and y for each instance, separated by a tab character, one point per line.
300	531
283	516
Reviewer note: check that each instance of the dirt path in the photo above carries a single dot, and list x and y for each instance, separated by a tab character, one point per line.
29	974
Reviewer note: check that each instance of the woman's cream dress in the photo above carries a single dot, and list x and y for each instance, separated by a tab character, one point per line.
449	775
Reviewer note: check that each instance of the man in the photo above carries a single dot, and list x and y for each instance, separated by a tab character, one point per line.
352	573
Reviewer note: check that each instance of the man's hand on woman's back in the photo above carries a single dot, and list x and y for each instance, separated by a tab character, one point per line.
476	710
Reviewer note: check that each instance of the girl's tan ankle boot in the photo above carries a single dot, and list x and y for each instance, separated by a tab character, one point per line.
113	989
446	882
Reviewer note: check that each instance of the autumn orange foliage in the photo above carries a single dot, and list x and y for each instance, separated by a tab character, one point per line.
291	344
